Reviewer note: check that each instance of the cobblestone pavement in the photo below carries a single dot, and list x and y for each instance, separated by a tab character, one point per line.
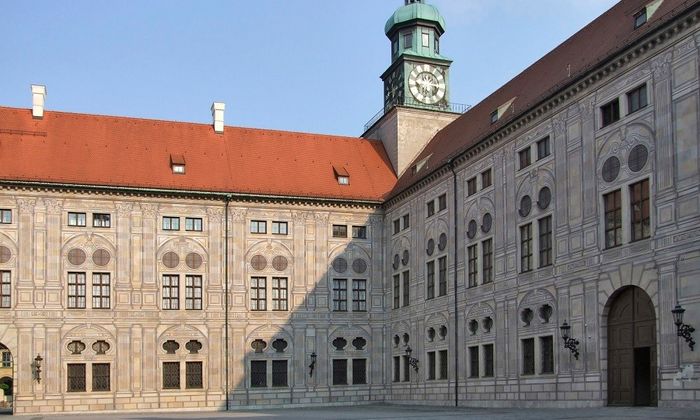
385	411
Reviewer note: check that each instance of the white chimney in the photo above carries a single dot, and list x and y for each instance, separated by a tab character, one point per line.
217	113
38	99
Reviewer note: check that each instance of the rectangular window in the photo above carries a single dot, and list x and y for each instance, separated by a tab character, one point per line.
5	216
395	46
279	228
487	261
359	295
442	202
524	158
406	288
279	293
406	369
193	292
193	375
76	290
171	291
486	179
340	372
545	232
443	364
397	368
640	18
610	112
397	291
5	289
279	373
258	294
406	221
258	226
359	232
471	265
488	360
102	220
76	219
526	248
340	295
430	208
100	291
430	279
639	207
637	99
171	223
340	231
258	373
547	351
613	219
425	38
408	41
494	116
6	360
471	186
442	276
397	226
193	224
171	375
76	377
100	377
543	148
431	365
474	362
528	352
359	371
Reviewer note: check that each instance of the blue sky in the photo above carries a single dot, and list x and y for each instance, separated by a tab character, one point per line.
299	65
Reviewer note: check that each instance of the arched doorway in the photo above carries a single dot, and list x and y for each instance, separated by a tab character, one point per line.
6	383
632	378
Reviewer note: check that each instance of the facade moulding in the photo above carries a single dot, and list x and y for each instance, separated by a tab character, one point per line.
559	97
186	194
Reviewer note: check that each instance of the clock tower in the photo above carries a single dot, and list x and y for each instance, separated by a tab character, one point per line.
416	84
418	75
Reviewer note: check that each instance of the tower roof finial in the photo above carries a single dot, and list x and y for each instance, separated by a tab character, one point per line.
407	2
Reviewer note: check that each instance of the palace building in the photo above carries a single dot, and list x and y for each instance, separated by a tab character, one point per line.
541	248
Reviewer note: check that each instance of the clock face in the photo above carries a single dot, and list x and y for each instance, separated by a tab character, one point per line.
427	84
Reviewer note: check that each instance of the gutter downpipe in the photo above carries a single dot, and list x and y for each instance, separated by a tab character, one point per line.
227	199
456	255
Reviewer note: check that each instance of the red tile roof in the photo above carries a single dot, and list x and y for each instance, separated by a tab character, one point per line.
588	48
130	152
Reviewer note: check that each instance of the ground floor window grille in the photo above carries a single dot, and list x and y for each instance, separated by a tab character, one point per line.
546	347
397	368
474	362
171	375
193	375
340	372
258	373
488	360
443	364
359	371
431	365
528	349
100	376
279	373
406	369
76	377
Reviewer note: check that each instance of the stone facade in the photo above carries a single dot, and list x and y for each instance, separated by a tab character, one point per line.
585	275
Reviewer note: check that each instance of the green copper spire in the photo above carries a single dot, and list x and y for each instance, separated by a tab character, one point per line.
418	75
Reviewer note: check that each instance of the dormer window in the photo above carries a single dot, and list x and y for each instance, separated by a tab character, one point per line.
494	116
342	175
640	18
177	164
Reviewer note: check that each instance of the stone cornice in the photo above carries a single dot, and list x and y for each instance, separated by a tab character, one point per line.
561	96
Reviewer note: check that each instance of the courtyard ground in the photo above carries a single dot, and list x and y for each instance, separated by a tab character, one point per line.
386	411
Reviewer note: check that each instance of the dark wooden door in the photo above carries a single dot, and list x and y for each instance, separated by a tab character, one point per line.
632	349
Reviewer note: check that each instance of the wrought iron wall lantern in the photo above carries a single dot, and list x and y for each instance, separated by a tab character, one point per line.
569	343
36	367
412	361
683	330
312	365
